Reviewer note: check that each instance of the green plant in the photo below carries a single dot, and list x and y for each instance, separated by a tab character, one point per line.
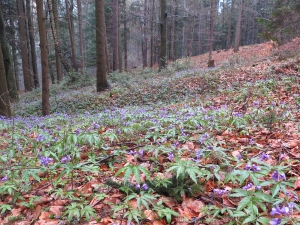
78	211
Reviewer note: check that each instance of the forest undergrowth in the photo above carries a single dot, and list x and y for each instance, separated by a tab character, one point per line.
188	145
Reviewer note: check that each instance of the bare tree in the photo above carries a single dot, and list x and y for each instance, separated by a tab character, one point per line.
44	58
80	34
115	44
238	28
4	95
102	83
23	46
163	34
32	45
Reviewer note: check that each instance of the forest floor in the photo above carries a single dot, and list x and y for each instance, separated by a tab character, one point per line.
188	145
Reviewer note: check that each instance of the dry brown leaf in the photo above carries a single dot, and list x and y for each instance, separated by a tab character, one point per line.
297	183
150	215
37	212
56	210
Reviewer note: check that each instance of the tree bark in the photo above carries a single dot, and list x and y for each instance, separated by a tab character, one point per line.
228	41
23	46
44	58
163	35
211	33
237	37
10	78
102	83
66	65
69	10
32	45
59	73
115	20
125	37
80	34
152	34
144	36
4	94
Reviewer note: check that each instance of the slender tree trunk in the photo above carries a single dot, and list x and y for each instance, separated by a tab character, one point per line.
23	46
32	45
253	23
44	58
211	33
108	65
163	35
59	73
151	34
4	94
237	37
175	32
66	65
102	83
10	78
125	37
69	10
119	46
80	34
115	41
144	36
228	42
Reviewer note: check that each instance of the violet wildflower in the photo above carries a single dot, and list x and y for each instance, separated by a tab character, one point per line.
278	177
66	159
240	157
40	138
138	186
77	131
251	141
258	188
145	187
255	168
280	211
264	156
95	126
203	138
141	152
170	156
248	186
132	152
275	221
220	191
4	178
45	160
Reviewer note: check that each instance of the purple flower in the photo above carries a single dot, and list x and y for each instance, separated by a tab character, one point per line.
258	188
240	157
132	152
285	210
138	186
45	160
278	177
66	159
248	186
255	168
203	138
264	156
275	221
170	156
95	126
40	138
141	152
219	191
145	187
4	178
77	131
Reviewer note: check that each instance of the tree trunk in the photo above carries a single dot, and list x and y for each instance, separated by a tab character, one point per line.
102	83
228	41
163	35
32	45
69	10
4	94
44	58
144	36
211	62
66	65
125	37
59	76
115	41
173	28
10	78
237	37
23	47
80	34
151	34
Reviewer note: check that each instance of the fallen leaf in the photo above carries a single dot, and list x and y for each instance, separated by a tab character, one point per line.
297	183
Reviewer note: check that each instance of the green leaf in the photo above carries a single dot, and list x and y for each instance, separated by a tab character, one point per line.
239	214
244	202
249	219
